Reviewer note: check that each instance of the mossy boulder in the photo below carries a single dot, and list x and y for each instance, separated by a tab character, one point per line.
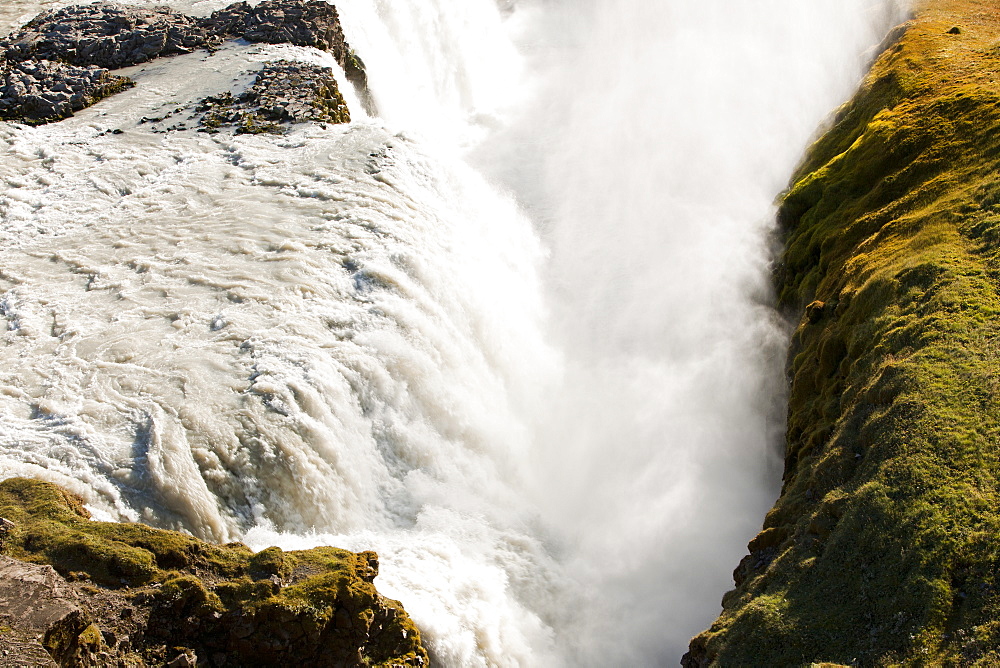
146	589
883	547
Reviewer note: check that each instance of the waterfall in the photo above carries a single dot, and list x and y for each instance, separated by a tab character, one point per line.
515	334
663	132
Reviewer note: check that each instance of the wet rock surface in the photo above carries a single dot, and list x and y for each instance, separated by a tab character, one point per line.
61	61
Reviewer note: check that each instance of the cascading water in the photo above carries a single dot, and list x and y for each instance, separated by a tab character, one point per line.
547	396
663	132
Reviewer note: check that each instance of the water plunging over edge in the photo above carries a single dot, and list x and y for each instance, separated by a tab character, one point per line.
559	439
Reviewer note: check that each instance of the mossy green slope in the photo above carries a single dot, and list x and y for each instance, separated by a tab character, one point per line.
884	546
311	607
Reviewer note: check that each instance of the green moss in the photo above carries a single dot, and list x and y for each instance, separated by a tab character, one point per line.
245	593
270	562
187	595
110	84
251	124
108	561
53	527
387	651
344	580
325	557
330	105
202	592
91	639
891	496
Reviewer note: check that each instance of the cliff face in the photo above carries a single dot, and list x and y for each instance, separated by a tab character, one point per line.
883	546
74	592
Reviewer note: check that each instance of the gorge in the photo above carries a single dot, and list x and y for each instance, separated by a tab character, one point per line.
487	290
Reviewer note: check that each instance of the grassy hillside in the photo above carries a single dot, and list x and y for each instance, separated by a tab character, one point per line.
884	547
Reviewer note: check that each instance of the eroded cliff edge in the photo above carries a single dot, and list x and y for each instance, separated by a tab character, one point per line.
75	592
884	546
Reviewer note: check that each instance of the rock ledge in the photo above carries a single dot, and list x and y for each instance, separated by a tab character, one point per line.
74	592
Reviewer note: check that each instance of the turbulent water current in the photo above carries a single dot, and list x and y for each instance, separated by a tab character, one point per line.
514	334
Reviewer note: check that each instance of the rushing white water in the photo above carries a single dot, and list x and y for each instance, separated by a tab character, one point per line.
514	336
663	132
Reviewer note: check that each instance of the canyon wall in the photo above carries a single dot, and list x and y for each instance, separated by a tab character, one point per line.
882	547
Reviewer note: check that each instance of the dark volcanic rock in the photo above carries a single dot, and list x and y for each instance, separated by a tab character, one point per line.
314	23
36	92
357	74
284	92
57	64
107	35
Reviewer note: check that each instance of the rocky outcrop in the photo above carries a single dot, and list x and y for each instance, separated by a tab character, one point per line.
60	62
107	35
882	548
313	23
42	91
47	623
284	92
114	36
74	592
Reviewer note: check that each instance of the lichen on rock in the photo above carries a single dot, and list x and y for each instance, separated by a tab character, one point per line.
134	595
